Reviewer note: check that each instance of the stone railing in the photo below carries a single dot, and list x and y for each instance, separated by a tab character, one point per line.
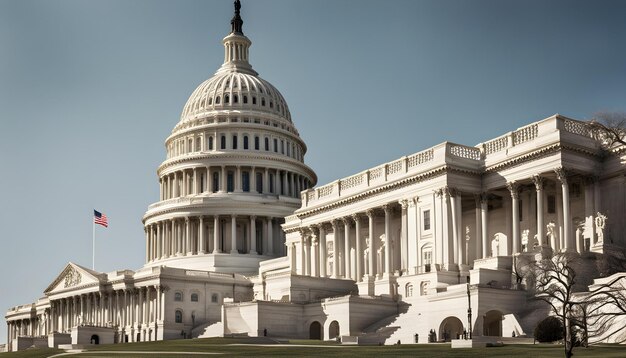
420	158
394	167
496	145
525	134
465	152
577	127
352	181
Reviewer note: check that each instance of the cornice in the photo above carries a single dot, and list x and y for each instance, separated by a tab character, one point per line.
540	153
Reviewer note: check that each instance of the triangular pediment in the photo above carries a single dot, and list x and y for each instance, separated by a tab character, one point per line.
74	275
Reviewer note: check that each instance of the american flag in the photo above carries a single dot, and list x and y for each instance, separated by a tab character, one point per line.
100	218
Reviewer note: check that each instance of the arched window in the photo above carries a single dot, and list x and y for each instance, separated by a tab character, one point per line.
226	98
194	297
179	316
234	141
271	104
210	101
256	142
198	144
424	288
245	142
178	296
253	100
275	145
217	100
211	143
267	144
408	290
288	151
245	99
223	142
235	99
263	102
214	298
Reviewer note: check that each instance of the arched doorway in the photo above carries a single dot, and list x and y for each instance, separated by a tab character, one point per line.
94	339
333	330
315	331
451	328
492	323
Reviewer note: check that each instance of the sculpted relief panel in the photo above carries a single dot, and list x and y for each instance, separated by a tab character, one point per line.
72	278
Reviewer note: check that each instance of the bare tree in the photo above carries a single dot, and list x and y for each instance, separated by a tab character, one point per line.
555	278
609	128
606	304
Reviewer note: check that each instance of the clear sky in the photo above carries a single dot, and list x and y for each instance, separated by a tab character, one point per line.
89	90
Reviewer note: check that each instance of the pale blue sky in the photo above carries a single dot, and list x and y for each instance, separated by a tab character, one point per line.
89	90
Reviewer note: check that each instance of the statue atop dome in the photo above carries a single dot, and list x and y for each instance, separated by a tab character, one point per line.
236	23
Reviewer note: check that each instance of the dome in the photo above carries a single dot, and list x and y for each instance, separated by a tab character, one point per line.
234	90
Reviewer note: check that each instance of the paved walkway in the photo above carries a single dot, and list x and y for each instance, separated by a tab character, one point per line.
78	351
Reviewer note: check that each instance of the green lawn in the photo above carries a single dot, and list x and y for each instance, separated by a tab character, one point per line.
234	347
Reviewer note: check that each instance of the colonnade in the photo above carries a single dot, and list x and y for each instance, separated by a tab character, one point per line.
354	237
193	235
227	178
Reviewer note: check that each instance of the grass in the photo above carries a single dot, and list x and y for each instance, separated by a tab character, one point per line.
236	347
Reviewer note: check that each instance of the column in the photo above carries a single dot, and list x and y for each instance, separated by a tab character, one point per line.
541	236
388	245
201	242
514	189
253	180
322	253
196	182
292	186
314	249
346	251
222	183
307	255
216	234
253	235
184	183
358	249
372	244
270	236
447	248
176	186
404	237
335	225
292	257
479	234
233	234
589	212
238	179
570	244
148	244
266	181
208	187
457	246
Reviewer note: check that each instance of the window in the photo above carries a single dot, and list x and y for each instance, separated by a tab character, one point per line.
211	143
267	144
234	141
178	296
194	297
271	104
230	183
226	98
245	180
271	183
263	102
235	99
426	220
519	210
551	204
245	142
424	288
275	145
282	146
216	181
214	298
179	316
198	145
245	99
217	100
259	183
408	290
223	142
210	100
189	145
253	100
256	143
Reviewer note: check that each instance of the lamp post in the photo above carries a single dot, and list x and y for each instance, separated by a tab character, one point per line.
469	309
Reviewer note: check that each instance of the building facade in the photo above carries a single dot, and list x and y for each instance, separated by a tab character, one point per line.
420	249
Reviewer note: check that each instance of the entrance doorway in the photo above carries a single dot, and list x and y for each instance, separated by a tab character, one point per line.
94	339
315	331
451	328
333	330
492	324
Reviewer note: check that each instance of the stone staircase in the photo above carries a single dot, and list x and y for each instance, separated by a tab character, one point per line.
385	331
209	329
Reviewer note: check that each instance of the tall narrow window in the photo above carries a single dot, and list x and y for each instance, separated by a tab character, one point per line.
426	220
256	143
217	100
282	146
245	142
216	181
234	141
267	144
245	99
226	98
275	145
230	182
519	210
263	102
223	142
211	143
235	99
253	100
179	316
245	181
551	204
271	183
259	183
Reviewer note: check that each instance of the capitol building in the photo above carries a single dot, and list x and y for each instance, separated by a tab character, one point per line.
242	240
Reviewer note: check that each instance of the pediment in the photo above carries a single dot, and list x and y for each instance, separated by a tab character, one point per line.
73	275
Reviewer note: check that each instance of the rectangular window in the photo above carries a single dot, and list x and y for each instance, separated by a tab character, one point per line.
267	144
256	143
271	183
427	257
426	220
235	141
245	180
245	142
275	145
230	182
223	142
519	210
216	182
259	183
282	147
551	204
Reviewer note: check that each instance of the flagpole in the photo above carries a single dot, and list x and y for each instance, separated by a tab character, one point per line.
93	245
